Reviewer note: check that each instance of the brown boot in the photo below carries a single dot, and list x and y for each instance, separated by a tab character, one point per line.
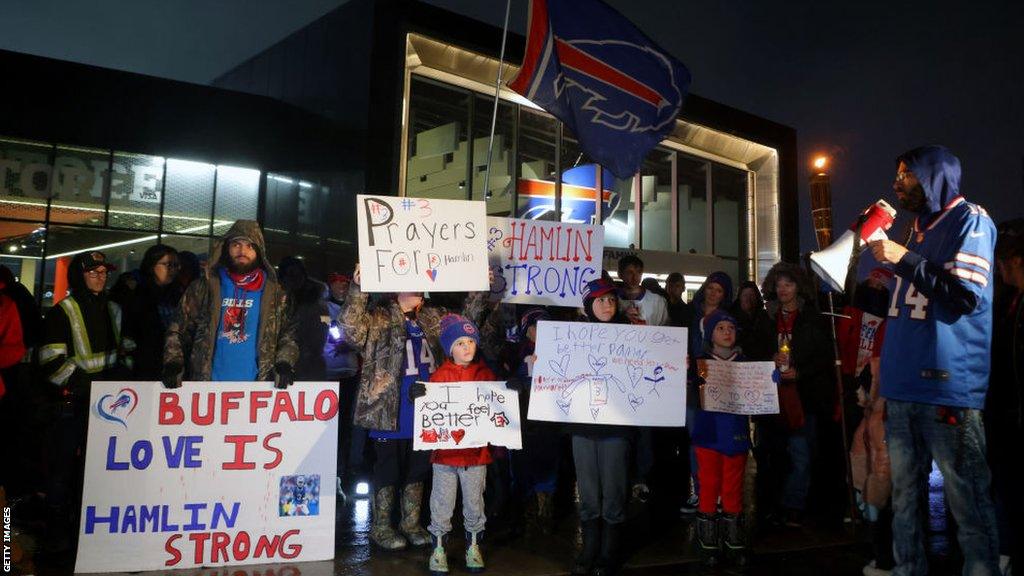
412	503
381	533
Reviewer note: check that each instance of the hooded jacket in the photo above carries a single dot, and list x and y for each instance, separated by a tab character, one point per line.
939	330
82	336
192	335
697	329
379	334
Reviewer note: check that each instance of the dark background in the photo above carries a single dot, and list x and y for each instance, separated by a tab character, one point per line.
860	81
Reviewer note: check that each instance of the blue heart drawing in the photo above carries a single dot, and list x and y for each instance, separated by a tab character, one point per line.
117	407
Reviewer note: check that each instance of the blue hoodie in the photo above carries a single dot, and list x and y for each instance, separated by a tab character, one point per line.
939	330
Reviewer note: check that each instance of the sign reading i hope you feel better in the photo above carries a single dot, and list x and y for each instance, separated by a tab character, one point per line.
211	474
421	244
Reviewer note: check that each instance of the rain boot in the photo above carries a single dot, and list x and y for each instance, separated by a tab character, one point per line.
381	533
412	503
707	539
607	560
591	547
732	531
438	558
545	512
474	557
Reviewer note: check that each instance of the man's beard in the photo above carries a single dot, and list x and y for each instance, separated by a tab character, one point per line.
239	268
914	199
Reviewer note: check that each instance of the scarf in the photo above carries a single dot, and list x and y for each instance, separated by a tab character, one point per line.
234	315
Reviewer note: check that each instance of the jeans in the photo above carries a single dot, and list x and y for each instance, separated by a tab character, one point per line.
800	445
601	473
916	436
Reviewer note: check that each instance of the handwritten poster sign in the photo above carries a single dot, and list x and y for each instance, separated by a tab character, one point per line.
544	263
744	388
467	415
210	474
421	244
609	374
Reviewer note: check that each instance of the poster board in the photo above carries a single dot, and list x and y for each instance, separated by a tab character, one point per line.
744	388
466	415
421	244
209	474
609	374
542	262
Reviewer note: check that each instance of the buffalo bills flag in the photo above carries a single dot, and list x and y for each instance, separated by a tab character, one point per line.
591	68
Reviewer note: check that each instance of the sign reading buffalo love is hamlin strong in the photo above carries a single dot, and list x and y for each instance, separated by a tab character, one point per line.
210	474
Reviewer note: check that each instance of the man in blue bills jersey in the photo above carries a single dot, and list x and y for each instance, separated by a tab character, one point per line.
935	359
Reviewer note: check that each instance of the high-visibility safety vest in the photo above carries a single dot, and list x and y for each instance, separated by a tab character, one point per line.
84	358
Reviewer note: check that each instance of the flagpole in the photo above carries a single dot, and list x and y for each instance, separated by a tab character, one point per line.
497	92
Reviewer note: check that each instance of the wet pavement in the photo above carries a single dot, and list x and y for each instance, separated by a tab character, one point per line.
656	542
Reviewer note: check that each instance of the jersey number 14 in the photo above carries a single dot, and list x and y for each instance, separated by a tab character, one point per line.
917	302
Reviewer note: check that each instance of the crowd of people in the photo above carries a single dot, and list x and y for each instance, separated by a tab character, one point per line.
930	349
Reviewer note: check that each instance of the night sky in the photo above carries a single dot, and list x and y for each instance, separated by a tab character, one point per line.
861	81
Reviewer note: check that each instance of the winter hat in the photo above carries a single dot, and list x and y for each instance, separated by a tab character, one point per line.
531	317
712	320
453	327
597	288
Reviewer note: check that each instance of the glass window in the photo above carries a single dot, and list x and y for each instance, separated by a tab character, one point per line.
122	248
78	189
620	223
238	193
189	196
281	203
692	185
729	197
21	250
24	178
656	201
538	134
499	203
136	185
310	210
579	183
437	149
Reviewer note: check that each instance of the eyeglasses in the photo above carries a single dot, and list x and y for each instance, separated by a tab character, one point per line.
169	265
96	273
901	176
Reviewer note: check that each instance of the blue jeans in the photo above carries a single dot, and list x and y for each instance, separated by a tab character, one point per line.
916	436
800	445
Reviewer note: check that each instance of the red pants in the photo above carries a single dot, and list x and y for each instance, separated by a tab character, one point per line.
720	476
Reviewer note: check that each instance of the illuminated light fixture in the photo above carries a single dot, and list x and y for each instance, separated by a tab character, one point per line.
281	179
12	248
362	489
303	184
189	167
820	163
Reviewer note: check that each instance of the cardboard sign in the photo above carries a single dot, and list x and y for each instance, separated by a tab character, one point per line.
422	244
544	263
466	415
744	388
210	474
609	374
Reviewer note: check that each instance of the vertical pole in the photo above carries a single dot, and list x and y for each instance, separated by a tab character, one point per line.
494	114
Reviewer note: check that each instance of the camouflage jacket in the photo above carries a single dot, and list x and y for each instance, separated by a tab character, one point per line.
191	336
379	336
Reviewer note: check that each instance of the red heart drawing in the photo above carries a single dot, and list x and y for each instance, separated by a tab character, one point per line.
432	274
458	435
429	436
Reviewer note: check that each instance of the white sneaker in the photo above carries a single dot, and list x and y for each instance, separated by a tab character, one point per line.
870	570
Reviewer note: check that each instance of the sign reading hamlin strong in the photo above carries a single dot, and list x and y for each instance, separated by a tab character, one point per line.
210	474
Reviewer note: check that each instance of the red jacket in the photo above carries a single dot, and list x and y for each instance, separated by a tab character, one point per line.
452	372
11	346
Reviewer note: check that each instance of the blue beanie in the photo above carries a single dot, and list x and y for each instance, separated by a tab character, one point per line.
710	321
453	327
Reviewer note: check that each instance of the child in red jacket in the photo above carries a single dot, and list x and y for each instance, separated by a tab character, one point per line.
465	466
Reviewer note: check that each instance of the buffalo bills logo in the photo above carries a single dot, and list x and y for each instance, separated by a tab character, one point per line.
117	407
468	328
643	100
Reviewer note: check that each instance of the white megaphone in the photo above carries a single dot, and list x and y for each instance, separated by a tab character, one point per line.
833	263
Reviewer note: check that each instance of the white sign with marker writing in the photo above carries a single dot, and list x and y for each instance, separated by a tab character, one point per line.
609	374
466	415
745	388
421	244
